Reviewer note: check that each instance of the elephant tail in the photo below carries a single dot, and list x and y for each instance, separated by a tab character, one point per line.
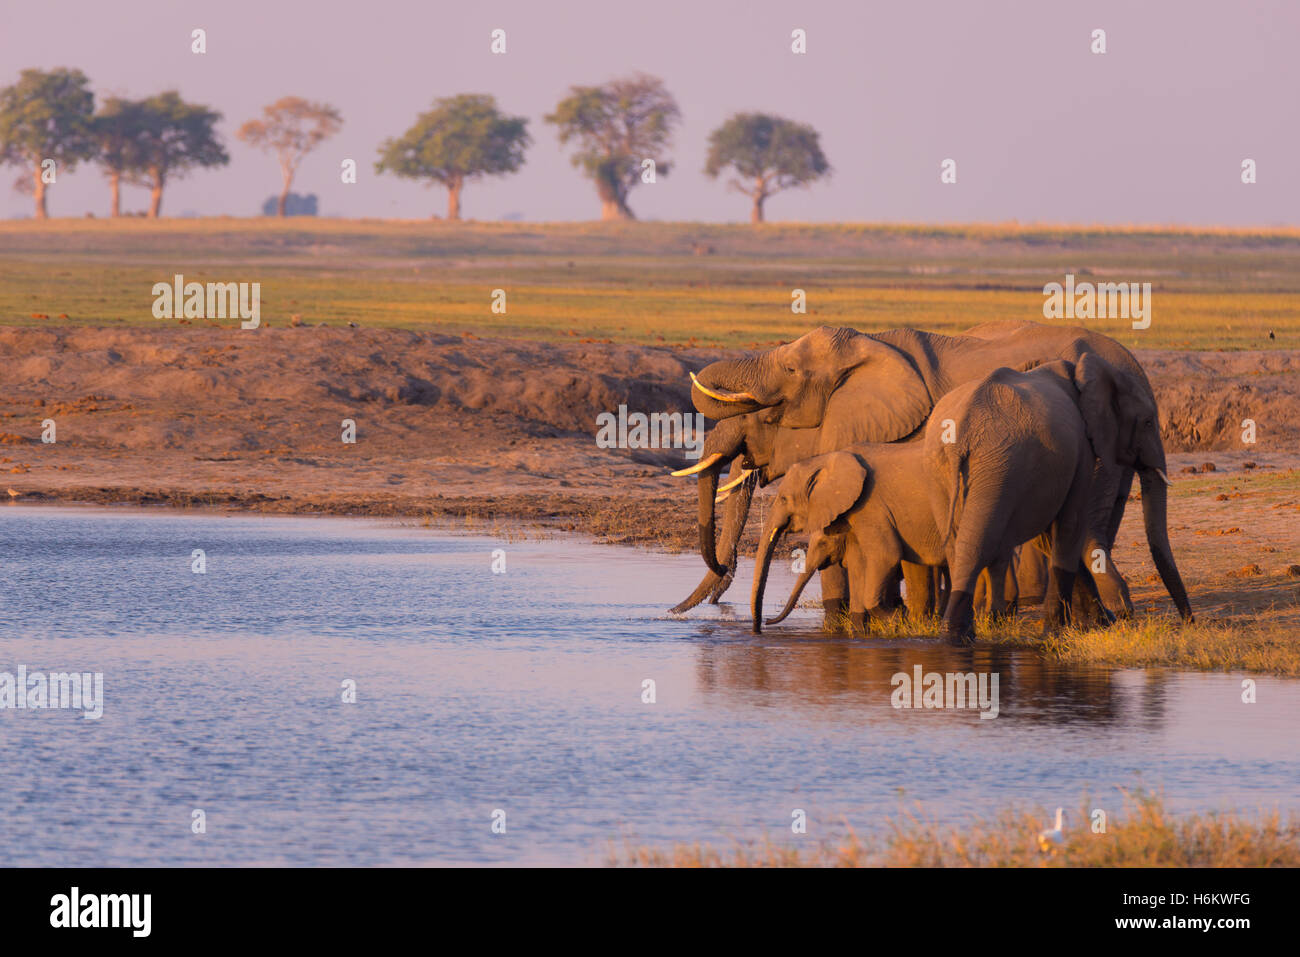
958	486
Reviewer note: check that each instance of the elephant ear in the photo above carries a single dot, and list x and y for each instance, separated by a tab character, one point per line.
835	488
881	398
1098	387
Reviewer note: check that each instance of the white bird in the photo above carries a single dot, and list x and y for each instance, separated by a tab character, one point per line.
1047	840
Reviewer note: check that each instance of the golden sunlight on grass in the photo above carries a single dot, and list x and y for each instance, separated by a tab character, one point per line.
1142	834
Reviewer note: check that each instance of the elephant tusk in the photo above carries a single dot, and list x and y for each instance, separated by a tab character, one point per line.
744	474
1163	477
699	466
721	396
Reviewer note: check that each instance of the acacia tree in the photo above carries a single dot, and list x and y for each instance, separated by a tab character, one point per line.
461	139
46	116
174	137
618	126
118	128
291	127
769	154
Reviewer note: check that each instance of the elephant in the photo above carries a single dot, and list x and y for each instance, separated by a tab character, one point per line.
851	387
866	508
1015	456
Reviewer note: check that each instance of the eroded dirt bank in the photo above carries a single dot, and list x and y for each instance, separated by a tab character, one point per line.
500	431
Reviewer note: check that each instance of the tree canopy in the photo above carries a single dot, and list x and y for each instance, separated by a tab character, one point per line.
175	137
46	116
769	154
617	126
118	127
462	138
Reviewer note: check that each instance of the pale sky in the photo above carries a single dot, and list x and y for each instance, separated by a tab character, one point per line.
1042	130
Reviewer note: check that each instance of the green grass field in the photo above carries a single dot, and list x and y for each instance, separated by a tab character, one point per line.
657	282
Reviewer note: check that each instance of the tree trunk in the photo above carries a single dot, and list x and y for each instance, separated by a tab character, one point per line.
115	187
613	197
613	209
39	187
756	214
155	193
282	208
453	199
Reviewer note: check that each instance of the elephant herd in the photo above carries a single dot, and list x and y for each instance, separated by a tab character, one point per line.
955	464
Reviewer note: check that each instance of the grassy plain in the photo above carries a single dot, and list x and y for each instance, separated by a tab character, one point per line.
680	283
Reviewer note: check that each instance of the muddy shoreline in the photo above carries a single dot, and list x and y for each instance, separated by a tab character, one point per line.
500	434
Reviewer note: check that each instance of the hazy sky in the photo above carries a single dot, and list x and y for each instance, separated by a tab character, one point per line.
1154	131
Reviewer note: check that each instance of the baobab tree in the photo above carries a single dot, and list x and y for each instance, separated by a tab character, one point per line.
461	139
769	154
618	126
45	126
291	127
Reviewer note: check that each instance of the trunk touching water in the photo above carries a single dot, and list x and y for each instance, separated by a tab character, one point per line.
708	542
1155	512
794	595
772	533
713	585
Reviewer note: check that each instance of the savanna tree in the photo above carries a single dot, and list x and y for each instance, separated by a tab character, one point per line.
461	139
174	138
45	126
618	126
768	154
291	127
118	129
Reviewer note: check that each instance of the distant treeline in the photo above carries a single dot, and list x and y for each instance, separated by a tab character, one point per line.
620	131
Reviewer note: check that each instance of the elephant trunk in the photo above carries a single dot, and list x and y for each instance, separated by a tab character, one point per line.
772	531
708	540
794	595
1155	510
702	591
718	389
713	585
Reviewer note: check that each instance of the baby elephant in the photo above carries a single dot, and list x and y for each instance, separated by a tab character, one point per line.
867	507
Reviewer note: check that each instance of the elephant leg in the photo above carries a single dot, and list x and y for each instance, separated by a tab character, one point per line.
1057	612
890	597
981	597
920	596
1111	487
942	590
1069	529
835	597
1011	587
996	583
1086	585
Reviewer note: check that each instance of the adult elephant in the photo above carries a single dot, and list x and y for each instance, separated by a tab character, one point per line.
851	387
759	450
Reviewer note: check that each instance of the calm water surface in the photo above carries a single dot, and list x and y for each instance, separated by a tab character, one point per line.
522	692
